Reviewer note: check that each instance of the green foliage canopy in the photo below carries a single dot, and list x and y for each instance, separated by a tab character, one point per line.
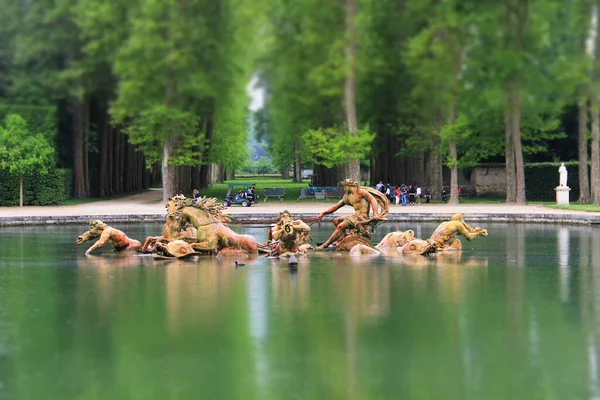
22	151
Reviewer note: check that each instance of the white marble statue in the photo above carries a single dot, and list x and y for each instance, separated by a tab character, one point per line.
562	172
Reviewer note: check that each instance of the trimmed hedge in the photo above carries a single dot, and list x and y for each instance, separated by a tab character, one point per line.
38	189
542	178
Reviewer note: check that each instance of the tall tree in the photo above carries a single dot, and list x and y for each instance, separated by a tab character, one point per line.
517	18
438	57
595	107
584	16
47	53
171	72
352	168
23	151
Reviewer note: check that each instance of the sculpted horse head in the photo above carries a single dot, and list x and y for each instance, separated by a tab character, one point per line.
96	228
198	212
418	246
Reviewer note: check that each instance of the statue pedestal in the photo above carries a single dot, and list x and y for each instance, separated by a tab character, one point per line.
562	195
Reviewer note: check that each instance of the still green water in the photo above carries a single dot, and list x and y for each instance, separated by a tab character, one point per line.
515	316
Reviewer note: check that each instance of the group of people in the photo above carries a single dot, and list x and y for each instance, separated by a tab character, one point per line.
406	195
248	194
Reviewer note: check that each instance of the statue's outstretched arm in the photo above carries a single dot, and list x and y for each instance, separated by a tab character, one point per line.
467	231
470	229
333	208
103	239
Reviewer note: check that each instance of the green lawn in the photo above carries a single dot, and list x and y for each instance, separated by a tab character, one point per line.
292	192
574	207
292	189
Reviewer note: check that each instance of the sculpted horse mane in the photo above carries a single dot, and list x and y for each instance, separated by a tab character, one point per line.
210	206
206	216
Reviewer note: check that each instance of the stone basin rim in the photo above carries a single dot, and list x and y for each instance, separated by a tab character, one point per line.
261	218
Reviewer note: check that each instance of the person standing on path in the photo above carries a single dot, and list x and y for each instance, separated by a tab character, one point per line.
404	192
419	195
411	195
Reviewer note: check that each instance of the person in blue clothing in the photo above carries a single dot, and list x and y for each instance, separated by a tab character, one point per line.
404	193
250	194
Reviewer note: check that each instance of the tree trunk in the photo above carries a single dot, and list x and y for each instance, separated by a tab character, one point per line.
517	19
80	126
595	156
122	160
116	167
594	104
169	172
109	159
352	168
584	180
85	143
454	157
435	160
436	181
20	190
103	176
516	134
205	180
509	155
297	163
229	174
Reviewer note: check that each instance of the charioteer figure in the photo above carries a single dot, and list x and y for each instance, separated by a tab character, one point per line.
370	209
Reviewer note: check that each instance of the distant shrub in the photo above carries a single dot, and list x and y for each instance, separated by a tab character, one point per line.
39	189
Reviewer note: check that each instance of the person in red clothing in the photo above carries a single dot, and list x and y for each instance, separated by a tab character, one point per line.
398	194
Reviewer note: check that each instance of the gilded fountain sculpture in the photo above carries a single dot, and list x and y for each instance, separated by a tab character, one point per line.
199	226
370	209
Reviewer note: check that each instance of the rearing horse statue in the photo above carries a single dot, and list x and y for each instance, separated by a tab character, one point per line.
206	216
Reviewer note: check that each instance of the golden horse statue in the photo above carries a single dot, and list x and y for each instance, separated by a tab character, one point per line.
171	231
206	216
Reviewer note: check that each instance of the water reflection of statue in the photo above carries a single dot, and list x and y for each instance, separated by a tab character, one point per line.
360	225
562	173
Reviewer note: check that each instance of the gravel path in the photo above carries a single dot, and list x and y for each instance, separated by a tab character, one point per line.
149	203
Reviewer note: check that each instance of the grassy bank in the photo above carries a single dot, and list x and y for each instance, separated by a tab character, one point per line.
575	207
292	190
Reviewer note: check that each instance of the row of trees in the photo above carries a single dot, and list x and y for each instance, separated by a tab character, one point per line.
413	84
135	83
402	86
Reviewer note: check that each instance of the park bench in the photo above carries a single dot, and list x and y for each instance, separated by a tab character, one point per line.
333	192
321	193
274	192
306	193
